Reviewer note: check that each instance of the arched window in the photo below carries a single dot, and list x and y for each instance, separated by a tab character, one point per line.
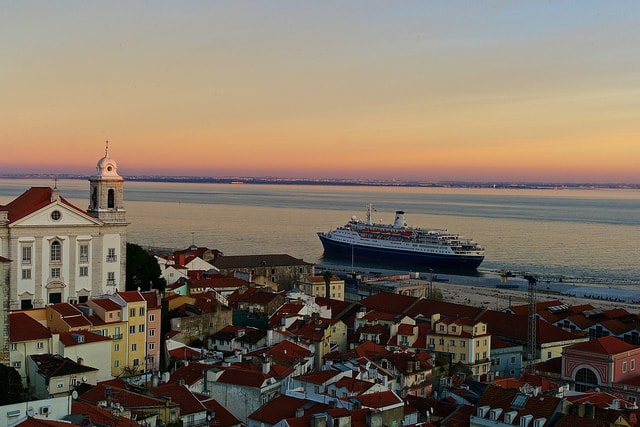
111	198
56	251
586	379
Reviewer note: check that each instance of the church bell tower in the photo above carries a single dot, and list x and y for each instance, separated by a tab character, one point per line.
106	200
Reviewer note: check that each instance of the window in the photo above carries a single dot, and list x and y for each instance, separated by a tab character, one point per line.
452	343
111	197
454	329
111	278
463	357
132	329
116	347
513	359
633	365
26	255
14	346
134	347
152	346
152	332
111	255
55	251
624	366
116	363
39	345
463	343
141	311
548	355
132	312
17	365
84	253
441	328
84	271
136	362
56	215
26	273
55	272
441	341
140	328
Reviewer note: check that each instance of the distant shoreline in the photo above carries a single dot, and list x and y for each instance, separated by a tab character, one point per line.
342	182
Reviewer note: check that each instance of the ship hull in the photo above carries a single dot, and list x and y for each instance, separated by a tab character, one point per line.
389	256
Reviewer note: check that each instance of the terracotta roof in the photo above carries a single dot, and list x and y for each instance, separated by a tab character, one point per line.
3	259
41	422
25	328
283	407
33	200
222	418
246	261
56	366
107	303
541	406
65	309
352	385
131	296
128	399
243	377
181	395
67	338
191	373
217	282
318	377
185	352
388	302
100	415
369	349
379	400
603	345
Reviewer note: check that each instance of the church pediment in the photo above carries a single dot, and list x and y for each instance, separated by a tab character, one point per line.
57	214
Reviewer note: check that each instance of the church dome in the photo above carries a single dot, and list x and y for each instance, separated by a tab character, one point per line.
107	166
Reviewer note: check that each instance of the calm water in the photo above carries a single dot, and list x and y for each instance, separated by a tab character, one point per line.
573	234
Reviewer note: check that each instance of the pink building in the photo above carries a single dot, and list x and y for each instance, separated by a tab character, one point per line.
154	311
606	362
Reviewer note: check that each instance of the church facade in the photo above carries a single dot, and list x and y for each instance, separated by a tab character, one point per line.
59	252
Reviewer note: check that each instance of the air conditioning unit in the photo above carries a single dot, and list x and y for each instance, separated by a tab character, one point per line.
14	413
45	410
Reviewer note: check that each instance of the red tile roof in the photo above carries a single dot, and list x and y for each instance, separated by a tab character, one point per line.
100	415
222	417
181	395
107	304
191	373
603	345
352	385
283	407
318	377
67	338
388	302
379	400
243	377
33	200
131	296
25	328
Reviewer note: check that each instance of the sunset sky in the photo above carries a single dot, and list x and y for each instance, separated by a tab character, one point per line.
427	90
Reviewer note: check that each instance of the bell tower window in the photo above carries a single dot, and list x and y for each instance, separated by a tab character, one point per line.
111	202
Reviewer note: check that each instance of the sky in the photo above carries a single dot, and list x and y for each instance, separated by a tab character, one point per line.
492	91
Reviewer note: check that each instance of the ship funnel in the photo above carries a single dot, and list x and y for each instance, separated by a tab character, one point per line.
399	222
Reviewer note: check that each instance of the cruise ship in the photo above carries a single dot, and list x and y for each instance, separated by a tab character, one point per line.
398	243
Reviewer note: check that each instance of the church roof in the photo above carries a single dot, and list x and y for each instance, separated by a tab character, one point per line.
32	201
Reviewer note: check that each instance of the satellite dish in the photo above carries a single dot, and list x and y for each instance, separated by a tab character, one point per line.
74	395
84	379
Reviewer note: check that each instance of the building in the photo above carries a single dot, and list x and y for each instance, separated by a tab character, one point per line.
5	343
60	252
29	337
316	286
279	268
607	363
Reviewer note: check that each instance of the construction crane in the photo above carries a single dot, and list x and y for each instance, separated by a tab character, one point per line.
531	335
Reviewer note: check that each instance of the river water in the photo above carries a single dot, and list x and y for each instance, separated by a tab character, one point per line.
580	235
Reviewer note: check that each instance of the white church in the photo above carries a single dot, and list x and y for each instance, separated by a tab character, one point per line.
59	252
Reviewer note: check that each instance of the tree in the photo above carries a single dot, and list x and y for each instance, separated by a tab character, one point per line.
12	390
143	270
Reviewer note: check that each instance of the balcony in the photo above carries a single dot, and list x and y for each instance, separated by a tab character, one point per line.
111	282
117	336
112	258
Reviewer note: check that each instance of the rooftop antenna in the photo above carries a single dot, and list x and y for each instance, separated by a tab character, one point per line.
55	182
106	148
